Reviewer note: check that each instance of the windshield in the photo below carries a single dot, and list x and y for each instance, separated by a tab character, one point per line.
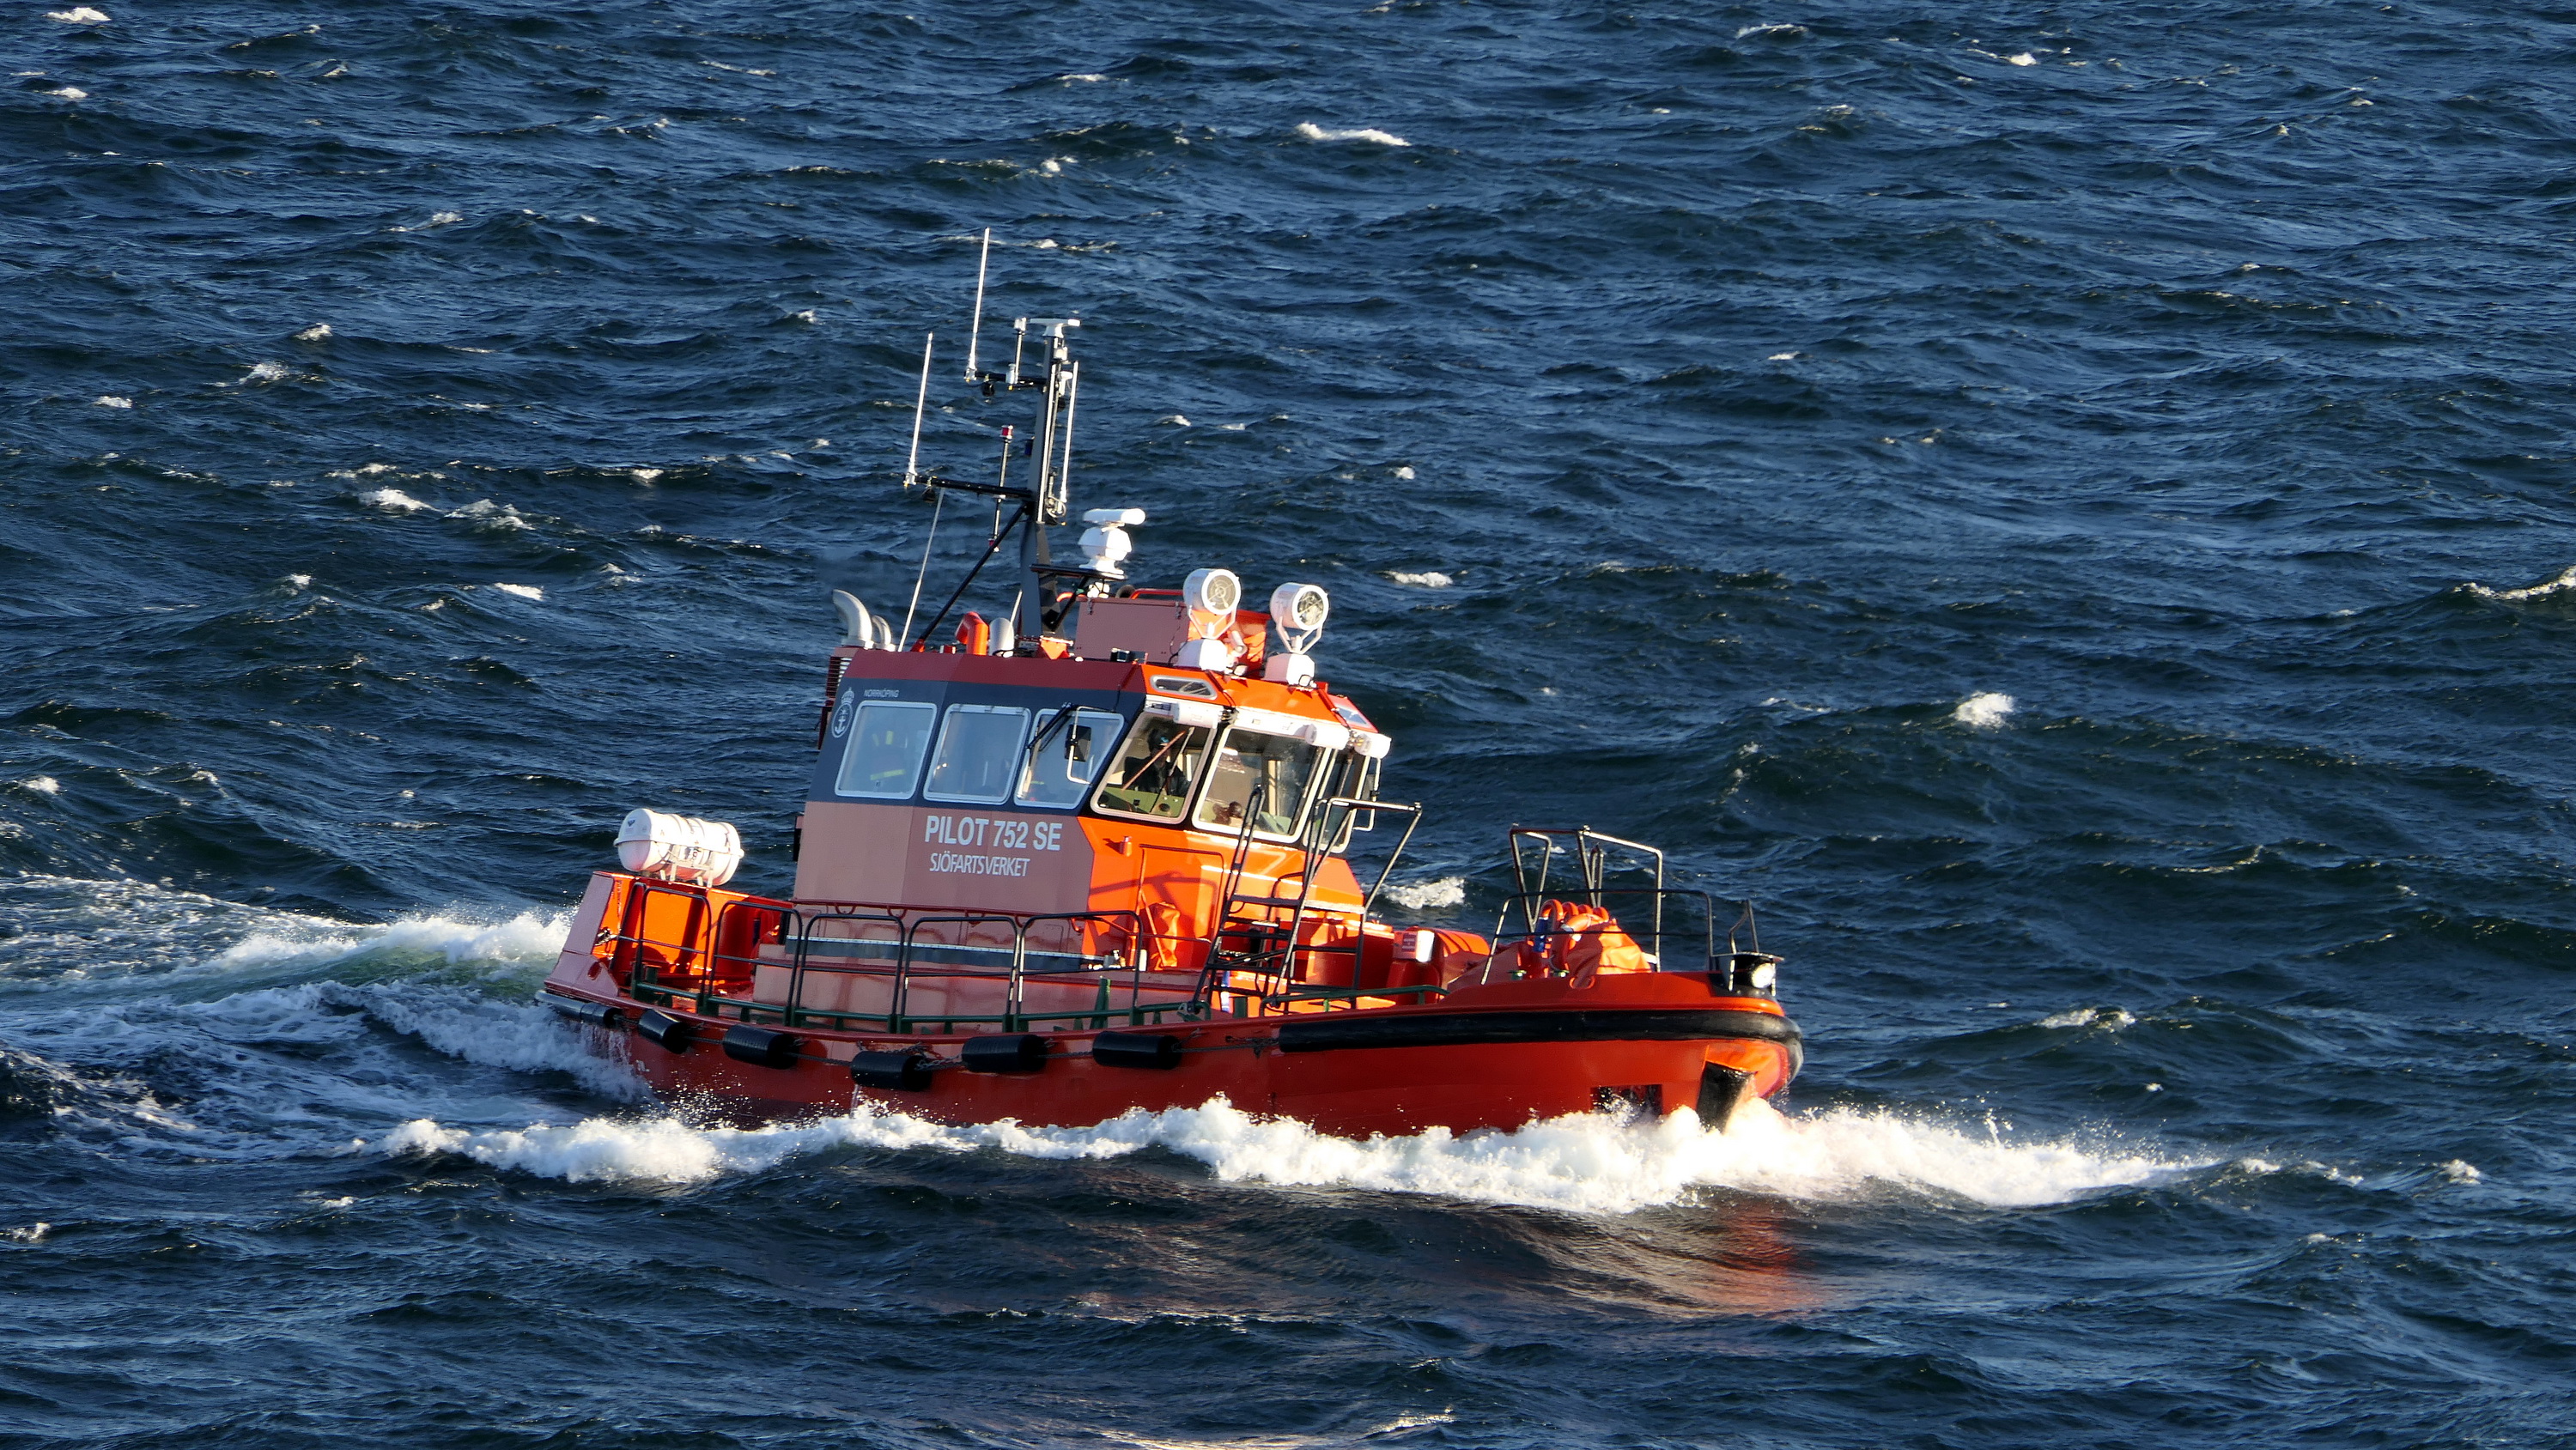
1273	767
1154	771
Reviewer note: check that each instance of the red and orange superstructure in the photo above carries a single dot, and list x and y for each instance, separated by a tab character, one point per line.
1096	853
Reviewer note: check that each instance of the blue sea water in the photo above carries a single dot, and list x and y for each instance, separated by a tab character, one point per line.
2067	507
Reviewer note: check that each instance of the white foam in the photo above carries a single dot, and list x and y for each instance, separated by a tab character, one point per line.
67	93
2563	581
1427	579
1404	471
391	500
2109	1019
78	15
1428	895
1985	711
267	372
1312	132
1173	420
523	591
33	1233
297	941
315	333
1777	29
2025	58
1585	1163
43	784
110	400
644	475
491	515
1085	78
1782	357
808	315
2460	1172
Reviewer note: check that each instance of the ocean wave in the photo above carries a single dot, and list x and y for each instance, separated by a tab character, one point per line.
1585	1163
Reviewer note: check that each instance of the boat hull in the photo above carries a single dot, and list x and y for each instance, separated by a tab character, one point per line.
1487	1057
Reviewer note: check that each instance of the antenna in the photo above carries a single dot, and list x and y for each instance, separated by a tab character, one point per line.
1058	498
976	332
920	400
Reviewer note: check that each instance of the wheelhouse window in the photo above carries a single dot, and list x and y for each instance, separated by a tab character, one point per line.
1066	756
886	745
1155	770
1262	775
1353	777
979	753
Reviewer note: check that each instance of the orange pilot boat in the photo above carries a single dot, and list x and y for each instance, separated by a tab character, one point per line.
1091	856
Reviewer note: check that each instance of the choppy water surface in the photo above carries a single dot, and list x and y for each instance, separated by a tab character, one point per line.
2068	507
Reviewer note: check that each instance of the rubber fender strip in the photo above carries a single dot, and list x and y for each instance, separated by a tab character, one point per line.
671	1033
906	1070
1005	1052
1477	1029
761	1046
1137	1049
582	1009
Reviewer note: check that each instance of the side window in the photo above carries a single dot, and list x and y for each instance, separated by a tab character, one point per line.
1066	756
1273	768
886	745
979	749
1154	770
1354	778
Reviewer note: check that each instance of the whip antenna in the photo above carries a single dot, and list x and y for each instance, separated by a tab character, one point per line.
975	330
912	463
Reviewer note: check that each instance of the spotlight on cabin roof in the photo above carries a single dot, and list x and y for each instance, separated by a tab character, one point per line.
1212	591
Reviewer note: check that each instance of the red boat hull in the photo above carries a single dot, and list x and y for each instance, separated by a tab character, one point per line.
1484	1057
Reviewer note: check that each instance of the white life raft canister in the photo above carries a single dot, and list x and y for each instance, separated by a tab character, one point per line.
679	848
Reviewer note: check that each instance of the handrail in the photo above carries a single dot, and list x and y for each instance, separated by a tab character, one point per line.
1541	930
1591	859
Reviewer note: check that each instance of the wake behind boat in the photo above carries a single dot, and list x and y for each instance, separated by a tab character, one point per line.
1092	854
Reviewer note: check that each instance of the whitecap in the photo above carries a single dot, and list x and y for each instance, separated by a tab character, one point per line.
1427	579
1775	30
1404	471
1173	420
808	315
294	941
2110	1019
523	591
267	372
1084	78
42	785
2461	1172
110	400
315	333
67	93
490	515
1429	895
1985	711
2025	58
1584	1163
78	15
1308	130
644	475
1782	357
2564	580
391	500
